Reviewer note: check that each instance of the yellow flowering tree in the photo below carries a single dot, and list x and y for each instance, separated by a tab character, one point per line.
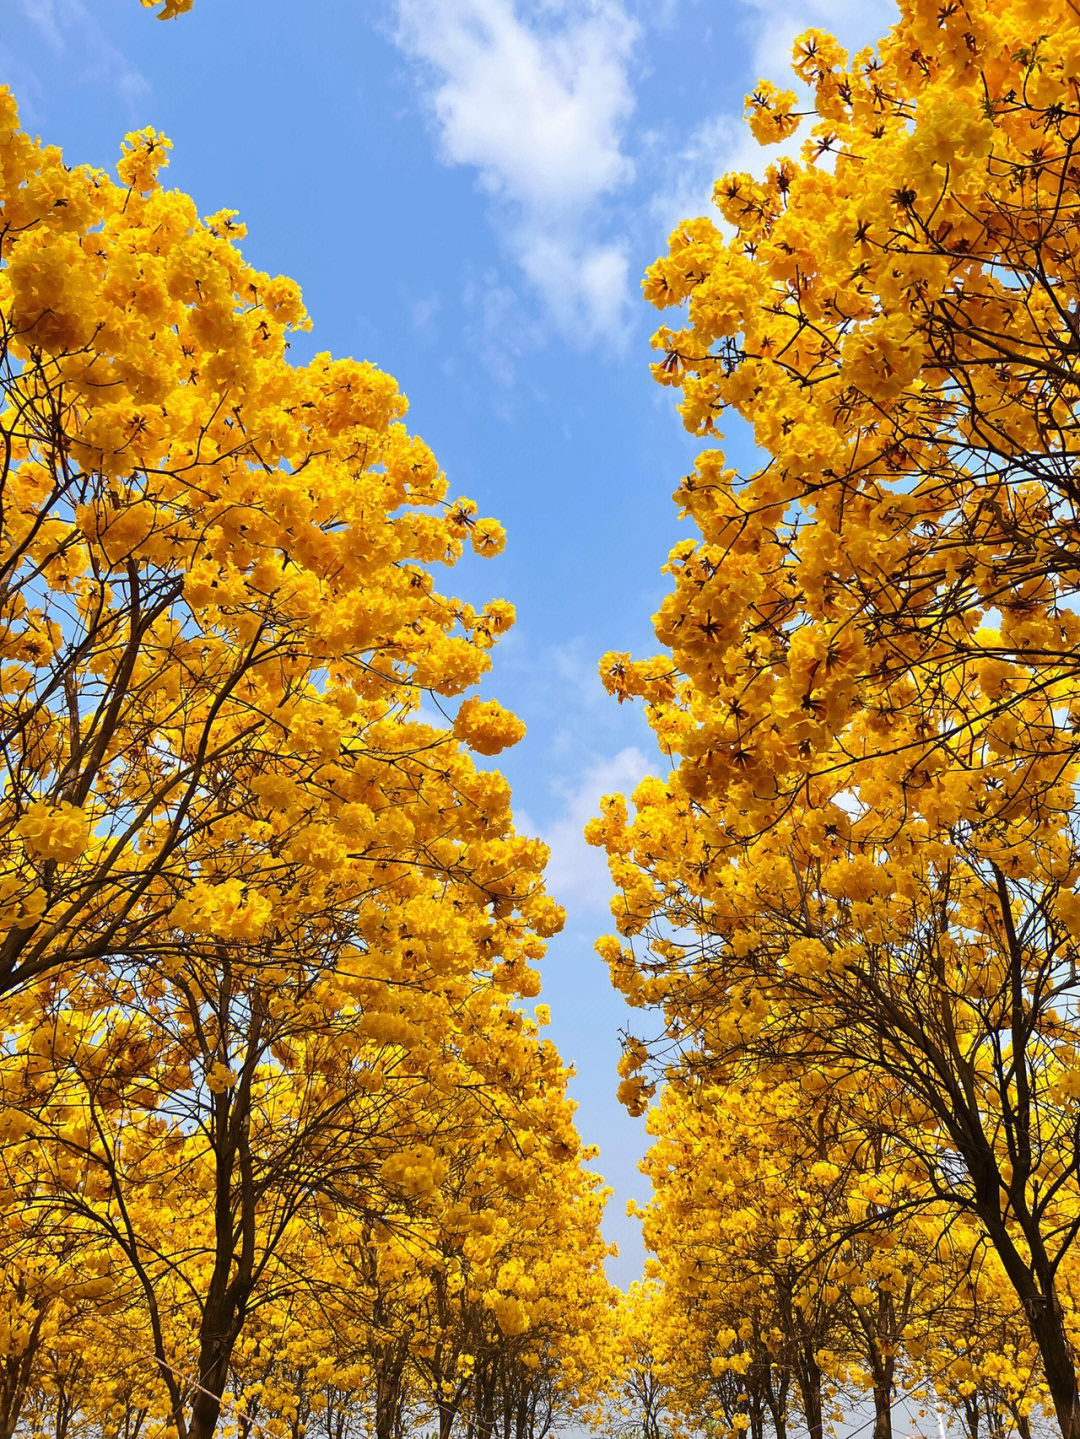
216	599
637	1400
405	1237
803	1266
865	859
263	929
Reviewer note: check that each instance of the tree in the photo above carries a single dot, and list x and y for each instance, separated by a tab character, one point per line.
826	956
865	860
801	1266
262	928
214	593
466	1283
638	1404
220	1121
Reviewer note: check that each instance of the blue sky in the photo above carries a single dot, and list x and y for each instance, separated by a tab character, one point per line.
468	192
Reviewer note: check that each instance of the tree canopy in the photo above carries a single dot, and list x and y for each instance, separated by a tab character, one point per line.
860	875
283	1150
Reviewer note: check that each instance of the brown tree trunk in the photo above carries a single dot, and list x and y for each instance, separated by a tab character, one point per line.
446	1419
971	1414
206	1405
15	1375
1048	1329
883	1370
809	1379
882	1412
388	1399
1041	1305
776	1398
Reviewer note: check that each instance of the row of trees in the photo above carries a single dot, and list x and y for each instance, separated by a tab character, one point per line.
463	1292
803	1279
851	910
275	1125
279	1143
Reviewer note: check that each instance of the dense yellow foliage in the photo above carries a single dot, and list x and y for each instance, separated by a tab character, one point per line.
278	1140
861	875
808	1273
282	1149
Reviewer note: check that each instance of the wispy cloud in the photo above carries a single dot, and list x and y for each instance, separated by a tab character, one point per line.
772	26
25	83
71	33
577	874
722	142
500	329
717	144
536	100
42	15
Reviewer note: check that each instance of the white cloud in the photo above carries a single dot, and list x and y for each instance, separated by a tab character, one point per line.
723	142
537	101
774	24
577	874
586	285
535	107
718	144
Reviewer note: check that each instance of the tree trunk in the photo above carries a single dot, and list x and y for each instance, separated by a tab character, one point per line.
882	1411
776	1398
15	1375
1041	1306
1048	1328
971	1414
387	1399
883	1370
206	1405
809	1378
